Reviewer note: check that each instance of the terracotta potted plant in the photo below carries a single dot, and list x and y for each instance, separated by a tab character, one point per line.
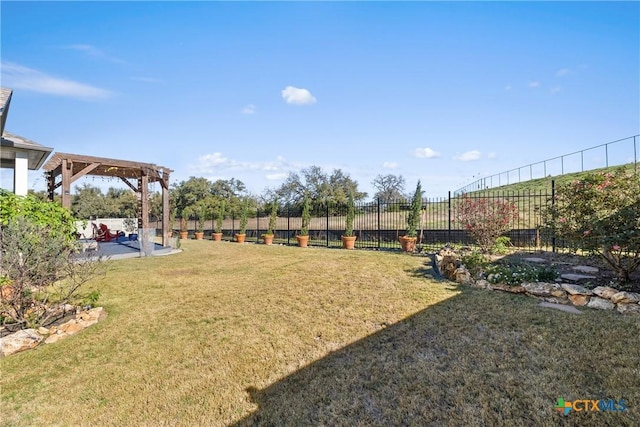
349	238
303	237
244	212
184	231
408	241
201	211
217	234
269	235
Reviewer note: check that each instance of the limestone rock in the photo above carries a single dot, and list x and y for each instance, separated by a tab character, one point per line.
554	300
43	331
482	284
462	275
628	308
625	298
507	288
600	304
605	291
575	289
19	341
55	337
74	328
558	293
579	300
540	289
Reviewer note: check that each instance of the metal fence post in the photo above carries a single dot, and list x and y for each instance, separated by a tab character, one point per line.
553	203
449	218
327	223
379	232
288	224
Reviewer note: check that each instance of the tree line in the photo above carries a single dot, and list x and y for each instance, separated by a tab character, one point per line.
200	197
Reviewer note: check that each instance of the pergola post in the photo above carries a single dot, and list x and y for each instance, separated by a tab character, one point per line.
166	209
143	206
66	183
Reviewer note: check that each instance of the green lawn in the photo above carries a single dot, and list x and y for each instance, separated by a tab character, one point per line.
229	334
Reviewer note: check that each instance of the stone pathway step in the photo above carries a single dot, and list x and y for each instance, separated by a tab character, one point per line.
573	277
561	307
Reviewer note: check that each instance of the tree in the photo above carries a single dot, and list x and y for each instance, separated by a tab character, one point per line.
306	216
600	214
186	193
244	212
351	214
320	187
88	201
413	217
389	187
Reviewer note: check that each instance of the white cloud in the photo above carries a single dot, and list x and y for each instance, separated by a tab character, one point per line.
390	165
468	156
249	109
19	77
213	164
563	72
425	153
556	90
276	176
297	96
534	84
94	53
213	160
492	155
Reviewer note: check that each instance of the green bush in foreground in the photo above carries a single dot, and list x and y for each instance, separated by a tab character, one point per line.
42	270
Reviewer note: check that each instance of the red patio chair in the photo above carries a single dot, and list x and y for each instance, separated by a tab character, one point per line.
103	234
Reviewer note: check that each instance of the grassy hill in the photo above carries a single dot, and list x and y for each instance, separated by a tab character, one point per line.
544	184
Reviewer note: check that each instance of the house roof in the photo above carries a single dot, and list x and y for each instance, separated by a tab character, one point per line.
5	100
11	144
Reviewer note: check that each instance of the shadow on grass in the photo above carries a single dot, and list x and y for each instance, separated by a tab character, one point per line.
480	358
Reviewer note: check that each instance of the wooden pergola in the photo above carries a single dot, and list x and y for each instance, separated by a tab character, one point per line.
71	167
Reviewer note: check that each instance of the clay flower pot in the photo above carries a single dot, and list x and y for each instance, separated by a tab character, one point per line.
184	234
216	237
240	237
199	235
268	239
408	244
348	242
303	241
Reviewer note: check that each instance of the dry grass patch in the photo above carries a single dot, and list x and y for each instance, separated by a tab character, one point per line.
187	334
228	334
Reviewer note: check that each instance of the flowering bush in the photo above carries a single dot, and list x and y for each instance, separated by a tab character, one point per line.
600	214
485	219
516	274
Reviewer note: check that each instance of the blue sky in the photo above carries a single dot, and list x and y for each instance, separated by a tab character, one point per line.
444	92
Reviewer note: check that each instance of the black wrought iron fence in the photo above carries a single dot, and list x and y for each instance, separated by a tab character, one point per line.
378	224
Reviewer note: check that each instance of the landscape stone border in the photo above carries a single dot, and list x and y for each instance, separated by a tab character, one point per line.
26	339
448	264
